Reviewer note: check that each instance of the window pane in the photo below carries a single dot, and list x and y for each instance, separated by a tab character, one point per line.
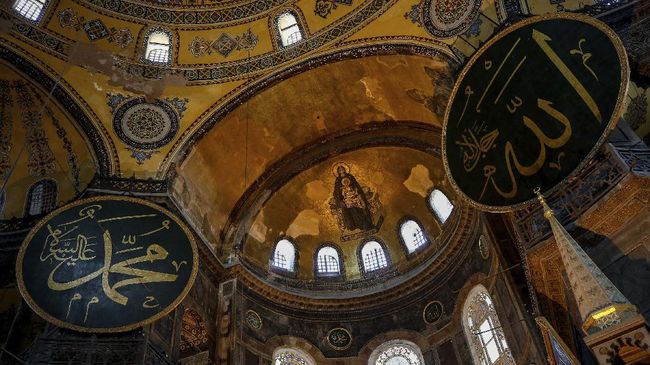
413	235
289	29
30	9
374	257
158	47
284	255
440	205
327	261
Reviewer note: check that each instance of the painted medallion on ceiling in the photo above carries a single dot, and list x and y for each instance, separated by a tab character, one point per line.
448	18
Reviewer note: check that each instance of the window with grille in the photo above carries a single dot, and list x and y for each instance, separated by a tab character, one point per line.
327	261
289	30
441	205
483	330
413	236
30	9
41	197
158	47
284	255
374	257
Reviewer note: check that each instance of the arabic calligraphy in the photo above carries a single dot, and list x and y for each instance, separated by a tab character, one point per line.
541	109
117	255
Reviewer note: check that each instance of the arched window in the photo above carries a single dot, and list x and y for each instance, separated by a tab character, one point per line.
288	356
41	197
396	352
483	329
328	262
373	256
440	204
413	235
29	9
284	256
289	29
159	46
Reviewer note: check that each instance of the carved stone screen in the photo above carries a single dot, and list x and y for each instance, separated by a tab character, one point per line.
106	264
531	107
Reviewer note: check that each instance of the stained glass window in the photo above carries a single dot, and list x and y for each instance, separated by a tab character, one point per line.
289	29
374	257
440	204
413	235
483	329
41	197
327	261
158	47
30	9
396	352
284	256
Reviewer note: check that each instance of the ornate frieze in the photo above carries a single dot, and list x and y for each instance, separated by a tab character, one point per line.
224	45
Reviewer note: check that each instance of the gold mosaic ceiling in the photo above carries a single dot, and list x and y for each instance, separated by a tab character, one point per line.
234	107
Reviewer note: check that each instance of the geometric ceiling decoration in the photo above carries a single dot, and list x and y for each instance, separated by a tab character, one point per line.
448	18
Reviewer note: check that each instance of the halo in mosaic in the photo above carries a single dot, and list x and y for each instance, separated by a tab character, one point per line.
448	18
145	125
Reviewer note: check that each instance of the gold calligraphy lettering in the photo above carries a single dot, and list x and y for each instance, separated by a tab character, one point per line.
128	239
544	141
509	79
76	296
543	41
585	56
478	105
165	225
177	265
515	103
93	300
148	302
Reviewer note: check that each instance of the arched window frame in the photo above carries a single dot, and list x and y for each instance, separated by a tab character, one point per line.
25	8
300	22
298	356
418	249
335	276
145	45
47	203
378	355
434	211
280	270
377	272
479	305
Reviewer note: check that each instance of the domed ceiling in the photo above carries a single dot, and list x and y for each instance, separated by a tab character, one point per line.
243	126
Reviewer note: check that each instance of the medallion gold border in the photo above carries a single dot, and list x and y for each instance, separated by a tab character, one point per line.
616	113
36	308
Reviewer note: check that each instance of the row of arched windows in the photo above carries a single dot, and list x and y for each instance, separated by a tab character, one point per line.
41	198
482	329
158	41
373	255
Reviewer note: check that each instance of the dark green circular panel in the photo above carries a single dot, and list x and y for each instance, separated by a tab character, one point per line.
106	264
531	108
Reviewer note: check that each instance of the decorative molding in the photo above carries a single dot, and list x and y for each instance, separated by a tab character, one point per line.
95	29
323	8
224	45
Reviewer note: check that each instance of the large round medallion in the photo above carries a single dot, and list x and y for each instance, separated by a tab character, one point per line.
339	338
145	125
531	107
106	264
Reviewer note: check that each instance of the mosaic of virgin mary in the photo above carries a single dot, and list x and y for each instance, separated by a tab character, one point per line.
355	206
